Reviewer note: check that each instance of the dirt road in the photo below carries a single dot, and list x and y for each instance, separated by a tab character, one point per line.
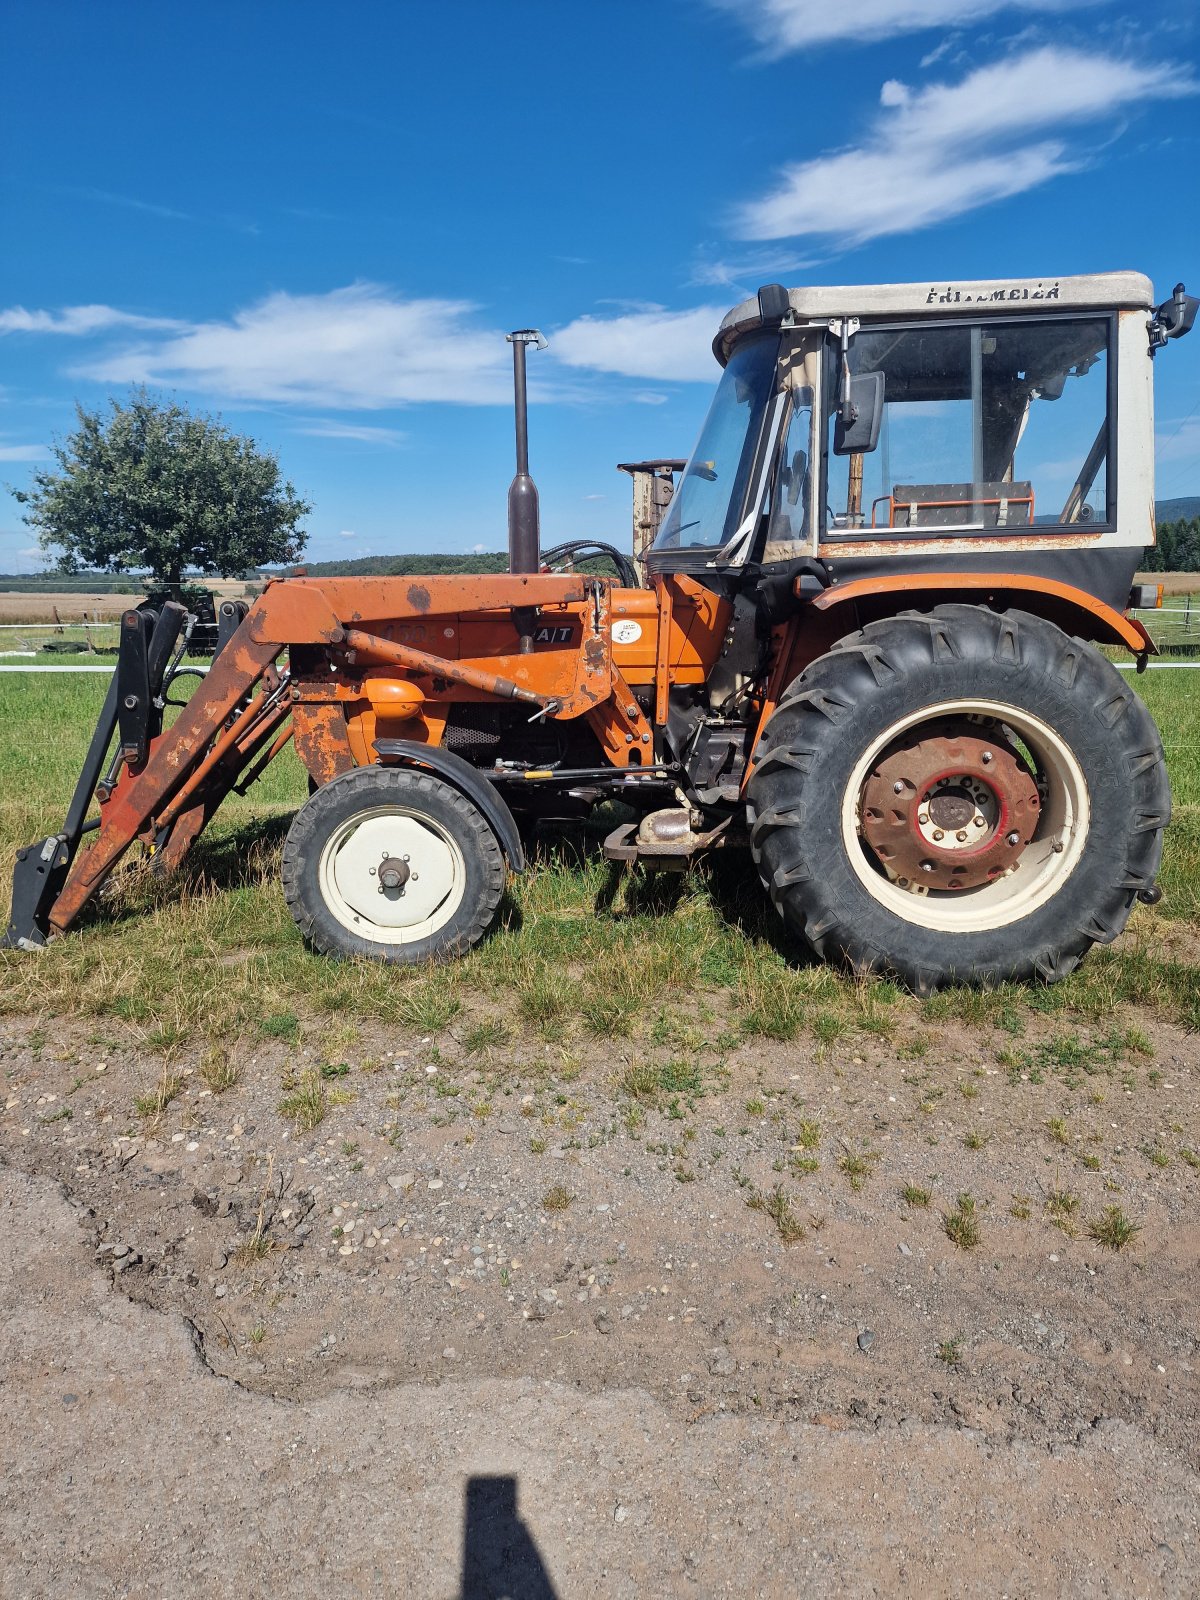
423	1350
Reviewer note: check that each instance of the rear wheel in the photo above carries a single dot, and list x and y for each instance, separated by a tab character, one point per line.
962	796
392	864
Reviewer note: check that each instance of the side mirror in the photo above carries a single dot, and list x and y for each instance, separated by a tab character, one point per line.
1173	318
859	432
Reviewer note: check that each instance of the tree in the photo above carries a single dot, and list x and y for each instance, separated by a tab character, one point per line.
1177	547
153	485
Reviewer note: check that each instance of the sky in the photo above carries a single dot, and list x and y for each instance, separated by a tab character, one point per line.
318	222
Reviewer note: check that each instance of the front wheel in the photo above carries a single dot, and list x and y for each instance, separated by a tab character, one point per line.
962	796
392	864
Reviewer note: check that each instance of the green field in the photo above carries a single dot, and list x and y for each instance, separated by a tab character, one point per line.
579	951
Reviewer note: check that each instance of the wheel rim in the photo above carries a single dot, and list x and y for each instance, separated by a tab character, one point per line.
966	816
392	875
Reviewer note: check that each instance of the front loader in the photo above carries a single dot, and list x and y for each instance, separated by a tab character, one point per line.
862	647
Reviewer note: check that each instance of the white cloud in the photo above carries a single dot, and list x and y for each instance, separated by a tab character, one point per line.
748	270
325	429
644	344
364	347
347	533
360	347
782	26
940	151
24	452
80	320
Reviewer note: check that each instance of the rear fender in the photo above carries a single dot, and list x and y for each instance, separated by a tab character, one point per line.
1070	608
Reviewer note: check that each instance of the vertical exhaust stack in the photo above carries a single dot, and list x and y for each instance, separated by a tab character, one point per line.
524	525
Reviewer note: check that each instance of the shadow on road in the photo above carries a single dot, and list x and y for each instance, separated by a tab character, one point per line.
500	1559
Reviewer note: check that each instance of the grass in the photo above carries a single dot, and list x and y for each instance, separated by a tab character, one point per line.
857	1168
151	1106
914	1196
218	1071
484	1036
1112	1228
306	1104
961	1224
778	1207
949	1351
650	1080
214	952
1061	1207
557	1199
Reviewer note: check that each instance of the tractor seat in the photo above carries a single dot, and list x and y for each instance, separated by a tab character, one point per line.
965	506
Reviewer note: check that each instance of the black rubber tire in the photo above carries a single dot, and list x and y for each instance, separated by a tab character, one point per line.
362	790
848	698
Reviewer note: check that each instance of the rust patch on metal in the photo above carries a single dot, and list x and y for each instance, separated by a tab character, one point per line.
322	742
419	597
949	809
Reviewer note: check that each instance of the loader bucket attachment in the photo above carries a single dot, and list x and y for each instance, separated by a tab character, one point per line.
159	781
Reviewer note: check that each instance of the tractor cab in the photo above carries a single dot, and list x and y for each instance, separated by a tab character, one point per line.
988	426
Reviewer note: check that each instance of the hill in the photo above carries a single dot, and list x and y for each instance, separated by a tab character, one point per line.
1181	510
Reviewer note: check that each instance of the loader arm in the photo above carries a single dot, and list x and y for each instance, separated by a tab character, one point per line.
197	753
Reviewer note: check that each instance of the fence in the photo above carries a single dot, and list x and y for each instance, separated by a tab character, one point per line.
1175	628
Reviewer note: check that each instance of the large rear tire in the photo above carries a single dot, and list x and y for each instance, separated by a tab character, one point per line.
960	796
392	864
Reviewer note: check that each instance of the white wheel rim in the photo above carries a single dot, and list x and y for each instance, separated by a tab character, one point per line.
1046	862
348	874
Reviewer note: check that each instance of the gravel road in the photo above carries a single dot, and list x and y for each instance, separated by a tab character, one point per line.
551	1350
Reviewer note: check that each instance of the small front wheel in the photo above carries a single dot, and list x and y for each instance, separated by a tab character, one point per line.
392	864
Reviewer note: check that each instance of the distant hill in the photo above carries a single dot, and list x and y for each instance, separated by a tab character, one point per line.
67	583
1177	510
401	566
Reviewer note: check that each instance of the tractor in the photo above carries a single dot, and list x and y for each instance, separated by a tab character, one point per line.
859	639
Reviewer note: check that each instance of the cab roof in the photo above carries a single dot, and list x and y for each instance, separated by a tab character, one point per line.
1092	291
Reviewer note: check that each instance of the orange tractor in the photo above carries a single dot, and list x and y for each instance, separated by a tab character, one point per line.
861	645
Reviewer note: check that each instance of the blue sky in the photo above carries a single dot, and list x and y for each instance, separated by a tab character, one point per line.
320	221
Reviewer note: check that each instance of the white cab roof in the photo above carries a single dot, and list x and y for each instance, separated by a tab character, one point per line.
1095	291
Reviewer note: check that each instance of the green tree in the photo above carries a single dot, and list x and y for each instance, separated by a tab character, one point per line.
153	486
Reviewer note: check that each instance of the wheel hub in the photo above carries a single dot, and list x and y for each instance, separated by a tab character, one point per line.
392	870
948	809
394	873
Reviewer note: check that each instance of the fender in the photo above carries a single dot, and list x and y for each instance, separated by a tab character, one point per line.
1062	603
468	780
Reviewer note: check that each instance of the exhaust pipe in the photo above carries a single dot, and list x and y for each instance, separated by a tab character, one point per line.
524	525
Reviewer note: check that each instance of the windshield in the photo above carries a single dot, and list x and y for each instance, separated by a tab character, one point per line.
708	501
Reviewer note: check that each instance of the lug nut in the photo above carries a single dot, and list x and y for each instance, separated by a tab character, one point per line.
1013	838
938	835
897	787
923	817
986	757
927	866
961	834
